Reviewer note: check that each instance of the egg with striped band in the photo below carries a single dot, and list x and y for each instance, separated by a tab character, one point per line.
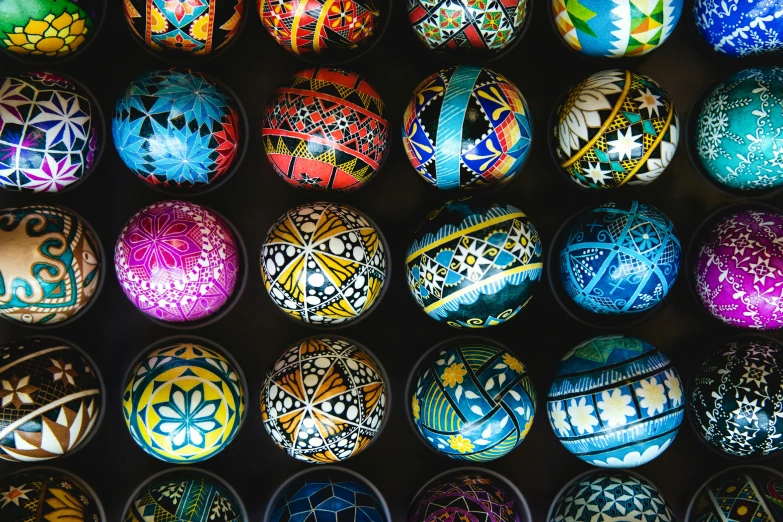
741	494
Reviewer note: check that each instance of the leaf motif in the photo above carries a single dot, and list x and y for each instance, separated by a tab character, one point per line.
490	384
519	410
501	379
515	394
487	433
470	395
500	366
481	442
475	409
451	359
504	422
64	505
458	392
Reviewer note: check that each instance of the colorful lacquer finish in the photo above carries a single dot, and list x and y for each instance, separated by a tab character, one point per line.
615	128
49	133
474	264
472	399
741	494
177	261
480	28
324	400
620	258
184	401
324	130
195	27
177	129
467	127
616	402
738	272
324	264
736	398
738	137
610	496
740	28
47	29
50	264
616	28
50	399
46	495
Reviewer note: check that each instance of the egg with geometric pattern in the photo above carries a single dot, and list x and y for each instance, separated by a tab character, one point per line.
741	494
42	494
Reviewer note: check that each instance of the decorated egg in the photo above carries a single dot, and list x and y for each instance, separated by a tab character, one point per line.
472	400
738	271
740	28
177	129
177	261
184	401
616	495
324	264
50	398
736	146
50	264
336	409
468	27
49	133
616	29
736	398
48	29
196	27
185	496
615	128
620	258
324	130
47	494
467	127
474	264
747	493
328	495
616	402
332	30
469	494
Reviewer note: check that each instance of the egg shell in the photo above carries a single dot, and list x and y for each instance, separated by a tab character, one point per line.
739	28
467	127
324	130
747	493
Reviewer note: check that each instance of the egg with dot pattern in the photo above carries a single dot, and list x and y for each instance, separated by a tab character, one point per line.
744	494
740	28
46	495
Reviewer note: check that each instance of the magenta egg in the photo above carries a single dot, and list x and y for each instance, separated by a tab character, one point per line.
739	269
177	261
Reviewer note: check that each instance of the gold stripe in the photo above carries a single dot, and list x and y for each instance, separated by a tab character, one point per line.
320	24
295	26
47	407
649	152
32	356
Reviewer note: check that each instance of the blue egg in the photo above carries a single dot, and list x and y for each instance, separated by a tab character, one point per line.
740	27
620	258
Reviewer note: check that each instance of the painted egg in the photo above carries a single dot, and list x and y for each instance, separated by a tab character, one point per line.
48	28
177	129
49	133
197	27
184	401
748	493
467	127
335	30
50	398
740	28
177	261
739	269
620	258
469	494
472	400
185	496
336	409
50	264
324	130
729	118
616	495
468	27
736	398
47	494
616	29
615	128
616	402
474	264
324	264
328	496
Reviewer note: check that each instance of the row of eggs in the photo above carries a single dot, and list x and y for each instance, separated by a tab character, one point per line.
339	30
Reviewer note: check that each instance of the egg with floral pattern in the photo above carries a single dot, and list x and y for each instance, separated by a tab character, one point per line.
740	28
47	494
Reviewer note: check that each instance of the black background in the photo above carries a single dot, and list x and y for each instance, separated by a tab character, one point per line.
398	332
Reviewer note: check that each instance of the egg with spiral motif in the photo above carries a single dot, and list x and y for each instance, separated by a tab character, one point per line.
46	494
740	28
745	493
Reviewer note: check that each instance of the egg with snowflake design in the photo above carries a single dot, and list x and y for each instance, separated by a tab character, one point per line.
745	494
324	130
616	402
736	398
324	400
467	127
43	494
615	128
737	146
616	28
178	129
740	28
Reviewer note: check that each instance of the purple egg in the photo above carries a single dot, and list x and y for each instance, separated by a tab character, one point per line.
739	269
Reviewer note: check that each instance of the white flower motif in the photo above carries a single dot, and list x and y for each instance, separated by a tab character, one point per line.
558	417
652	395
651	102
634	458
615	407
625	145
673	387
62	119
581	414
